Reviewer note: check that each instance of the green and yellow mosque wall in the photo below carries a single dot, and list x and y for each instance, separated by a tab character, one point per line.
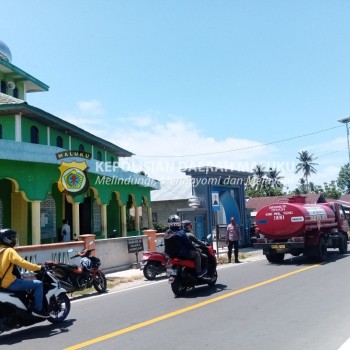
32	199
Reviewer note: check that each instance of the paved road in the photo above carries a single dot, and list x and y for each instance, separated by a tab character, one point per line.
255	305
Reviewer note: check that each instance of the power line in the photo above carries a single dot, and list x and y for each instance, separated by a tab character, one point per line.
243	148
327	154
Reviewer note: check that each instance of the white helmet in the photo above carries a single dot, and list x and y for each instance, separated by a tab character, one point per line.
174	222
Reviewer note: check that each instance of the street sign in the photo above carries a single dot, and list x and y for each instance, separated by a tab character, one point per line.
215	201
135	245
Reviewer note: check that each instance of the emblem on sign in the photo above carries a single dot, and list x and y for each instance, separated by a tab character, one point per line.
73	179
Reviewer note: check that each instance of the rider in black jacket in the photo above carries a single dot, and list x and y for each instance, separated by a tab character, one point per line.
187	226
177	243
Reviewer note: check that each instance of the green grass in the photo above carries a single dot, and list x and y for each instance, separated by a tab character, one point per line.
223	259
112	282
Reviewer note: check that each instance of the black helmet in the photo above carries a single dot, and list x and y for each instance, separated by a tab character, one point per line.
174	222
8	237
187	225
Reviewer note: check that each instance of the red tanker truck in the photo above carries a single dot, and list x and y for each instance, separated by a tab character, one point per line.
296	227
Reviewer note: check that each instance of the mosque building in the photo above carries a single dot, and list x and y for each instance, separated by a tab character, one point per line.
52	170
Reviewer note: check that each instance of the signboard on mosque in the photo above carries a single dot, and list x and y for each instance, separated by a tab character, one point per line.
215	201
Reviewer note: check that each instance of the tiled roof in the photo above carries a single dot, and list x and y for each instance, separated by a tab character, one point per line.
172	190
345	198
7	100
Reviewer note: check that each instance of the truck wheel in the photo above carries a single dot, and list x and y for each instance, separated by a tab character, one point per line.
322	250
275	258
343	244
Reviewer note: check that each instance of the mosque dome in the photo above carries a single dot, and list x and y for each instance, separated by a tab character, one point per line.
5	52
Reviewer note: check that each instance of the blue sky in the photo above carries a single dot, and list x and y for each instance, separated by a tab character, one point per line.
191	83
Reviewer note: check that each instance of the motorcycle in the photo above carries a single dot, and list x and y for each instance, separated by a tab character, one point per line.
16	307
182	273
75	278
154	263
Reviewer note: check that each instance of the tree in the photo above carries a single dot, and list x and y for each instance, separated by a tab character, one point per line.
264	183
301	189
275	177
259	171
255	183
273	185
331	190
306	165
343	180
315	188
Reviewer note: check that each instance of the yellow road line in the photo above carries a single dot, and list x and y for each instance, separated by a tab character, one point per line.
186	309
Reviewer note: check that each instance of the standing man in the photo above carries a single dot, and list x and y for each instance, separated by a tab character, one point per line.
65	231
233	236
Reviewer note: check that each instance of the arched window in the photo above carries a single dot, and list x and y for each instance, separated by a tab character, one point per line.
59	141
3	87
15	92
99	156
112	160
0	131
81	147
34	134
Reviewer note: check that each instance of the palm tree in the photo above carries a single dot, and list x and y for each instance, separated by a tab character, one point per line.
257	181
259	171
301	189
306	164
275	177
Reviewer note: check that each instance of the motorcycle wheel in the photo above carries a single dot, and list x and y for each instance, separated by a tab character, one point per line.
213	280
178	288
60	308
100	282
150	270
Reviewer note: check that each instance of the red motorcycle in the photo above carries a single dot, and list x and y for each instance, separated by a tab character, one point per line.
74	278
182	273
154	263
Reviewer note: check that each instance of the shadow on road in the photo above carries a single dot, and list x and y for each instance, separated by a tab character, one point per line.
204	291
332	256
43	330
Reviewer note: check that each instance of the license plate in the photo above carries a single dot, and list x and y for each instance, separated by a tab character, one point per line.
278	246
171	272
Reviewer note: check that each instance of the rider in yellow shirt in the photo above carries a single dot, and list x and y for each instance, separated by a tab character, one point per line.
8	259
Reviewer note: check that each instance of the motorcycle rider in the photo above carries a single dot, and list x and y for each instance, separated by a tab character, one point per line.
177	244
187	226
85	262
9	259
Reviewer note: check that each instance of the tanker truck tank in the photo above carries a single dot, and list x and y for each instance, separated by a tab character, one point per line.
286	220
296	227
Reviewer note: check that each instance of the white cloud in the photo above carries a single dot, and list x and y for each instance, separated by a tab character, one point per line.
137	121
163	147
92	107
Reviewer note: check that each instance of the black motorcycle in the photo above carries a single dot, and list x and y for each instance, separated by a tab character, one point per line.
87	275
16	307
